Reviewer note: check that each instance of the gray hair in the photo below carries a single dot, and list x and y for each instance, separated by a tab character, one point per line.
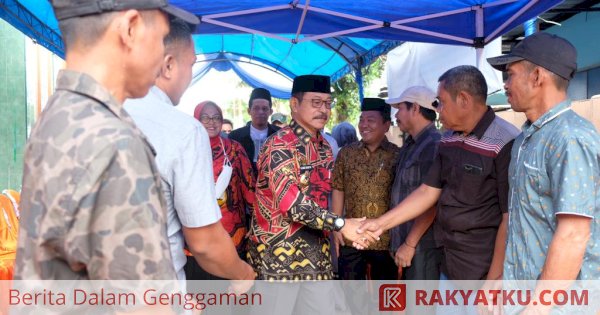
465	78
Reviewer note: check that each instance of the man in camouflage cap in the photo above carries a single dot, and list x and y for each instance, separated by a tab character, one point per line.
91	201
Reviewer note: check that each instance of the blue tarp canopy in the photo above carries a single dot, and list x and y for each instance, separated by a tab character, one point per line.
330	37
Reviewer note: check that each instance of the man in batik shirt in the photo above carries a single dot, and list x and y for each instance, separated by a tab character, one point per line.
288	242
362	180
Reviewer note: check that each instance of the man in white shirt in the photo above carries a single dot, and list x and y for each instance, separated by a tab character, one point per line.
185	164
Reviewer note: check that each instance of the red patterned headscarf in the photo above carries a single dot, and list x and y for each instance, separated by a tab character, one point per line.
200	107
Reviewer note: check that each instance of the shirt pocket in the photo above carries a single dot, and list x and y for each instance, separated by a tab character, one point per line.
471	179
536	187
320	185
411	176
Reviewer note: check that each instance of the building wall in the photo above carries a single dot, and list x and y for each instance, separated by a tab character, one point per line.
13	106
583	31
588	109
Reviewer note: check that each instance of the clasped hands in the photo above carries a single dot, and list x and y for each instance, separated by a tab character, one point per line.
361	231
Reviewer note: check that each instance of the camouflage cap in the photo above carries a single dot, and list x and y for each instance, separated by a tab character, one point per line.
279	117
65	9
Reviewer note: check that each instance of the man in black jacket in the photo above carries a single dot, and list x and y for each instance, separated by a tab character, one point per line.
253	135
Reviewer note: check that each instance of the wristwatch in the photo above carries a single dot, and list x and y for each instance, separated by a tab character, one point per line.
338	223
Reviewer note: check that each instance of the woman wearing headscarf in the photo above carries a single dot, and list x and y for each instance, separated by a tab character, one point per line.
344	133
234	183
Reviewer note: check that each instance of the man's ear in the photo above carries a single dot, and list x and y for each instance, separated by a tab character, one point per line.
540	76
130	27
388	124
294	103
167	66
463	99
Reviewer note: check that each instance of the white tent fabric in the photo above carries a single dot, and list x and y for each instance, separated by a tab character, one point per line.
422	64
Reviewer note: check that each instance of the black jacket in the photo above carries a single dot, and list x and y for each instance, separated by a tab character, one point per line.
242	135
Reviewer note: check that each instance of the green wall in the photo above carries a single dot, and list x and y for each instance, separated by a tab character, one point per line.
13	106
583	31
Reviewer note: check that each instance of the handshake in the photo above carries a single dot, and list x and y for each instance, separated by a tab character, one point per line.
361	231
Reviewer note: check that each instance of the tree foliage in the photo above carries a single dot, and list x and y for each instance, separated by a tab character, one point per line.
345	92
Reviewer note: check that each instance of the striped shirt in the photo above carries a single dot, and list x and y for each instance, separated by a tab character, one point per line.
472	171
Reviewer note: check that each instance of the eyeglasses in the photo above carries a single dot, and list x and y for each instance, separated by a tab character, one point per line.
205	119
318	103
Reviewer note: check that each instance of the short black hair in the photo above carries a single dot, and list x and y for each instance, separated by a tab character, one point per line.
386	115
227	121
465	78
425	112
298	96
561	83
180	32
85	30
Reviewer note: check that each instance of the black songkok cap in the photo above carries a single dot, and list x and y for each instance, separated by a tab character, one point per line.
376	104
312	83
260	93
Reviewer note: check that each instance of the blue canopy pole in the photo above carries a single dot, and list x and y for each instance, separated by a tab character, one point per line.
359	81
479	41
530	27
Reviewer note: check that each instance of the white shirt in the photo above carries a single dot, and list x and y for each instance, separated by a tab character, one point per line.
184	160
258	137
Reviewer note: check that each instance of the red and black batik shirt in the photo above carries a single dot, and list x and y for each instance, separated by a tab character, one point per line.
290	213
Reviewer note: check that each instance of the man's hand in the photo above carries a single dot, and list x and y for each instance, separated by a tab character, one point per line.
338	240
350	231
243	285
404	255
494	305
368	229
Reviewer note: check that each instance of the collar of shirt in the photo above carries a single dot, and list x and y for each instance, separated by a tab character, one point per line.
161	96
529	128
483	123
258	134
303	135
84	84
422	134
384	145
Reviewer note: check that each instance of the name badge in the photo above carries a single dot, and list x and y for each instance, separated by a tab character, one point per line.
306	168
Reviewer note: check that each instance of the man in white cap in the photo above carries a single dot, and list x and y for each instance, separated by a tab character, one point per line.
414	240
415	252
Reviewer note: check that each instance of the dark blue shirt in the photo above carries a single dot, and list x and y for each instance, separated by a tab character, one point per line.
414	160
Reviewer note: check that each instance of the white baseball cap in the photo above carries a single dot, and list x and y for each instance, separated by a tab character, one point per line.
416	94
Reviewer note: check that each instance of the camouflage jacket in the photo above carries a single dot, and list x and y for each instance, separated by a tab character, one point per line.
91	202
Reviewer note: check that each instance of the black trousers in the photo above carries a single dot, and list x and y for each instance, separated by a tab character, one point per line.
194	272
425	265
352	264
